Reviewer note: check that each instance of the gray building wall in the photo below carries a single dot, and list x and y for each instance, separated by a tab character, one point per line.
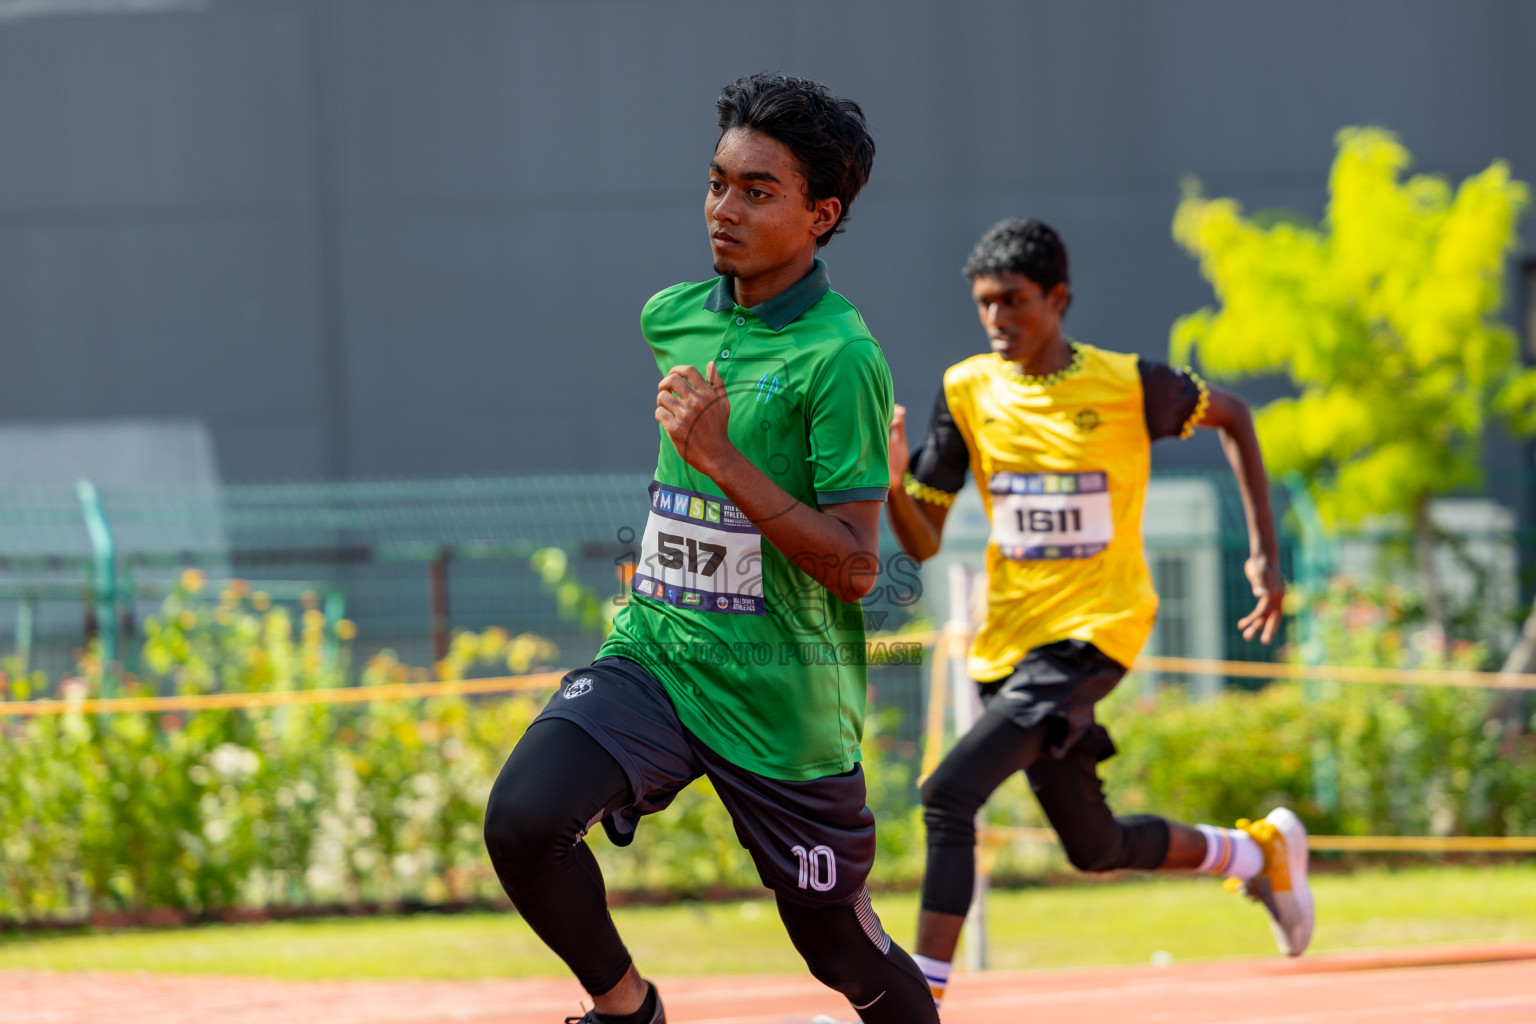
364	238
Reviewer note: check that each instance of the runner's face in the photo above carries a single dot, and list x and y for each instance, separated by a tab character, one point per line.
756	209
1020	319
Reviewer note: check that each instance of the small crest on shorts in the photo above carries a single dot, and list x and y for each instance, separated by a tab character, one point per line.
576	687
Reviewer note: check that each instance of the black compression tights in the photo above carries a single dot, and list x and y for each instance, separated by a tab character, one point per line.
557	782
1069	792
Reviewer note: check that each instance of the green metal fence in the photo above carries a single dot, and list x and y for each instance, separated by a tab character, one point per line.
407	561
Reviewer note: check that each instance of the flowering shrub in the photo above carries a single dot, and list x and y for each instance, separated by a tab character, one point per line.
1374	624
1349	758
210	811
1402	760
213	811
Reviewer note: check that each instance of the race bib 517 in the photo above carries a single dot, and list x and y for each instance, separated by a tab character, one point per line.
1051	515
700	552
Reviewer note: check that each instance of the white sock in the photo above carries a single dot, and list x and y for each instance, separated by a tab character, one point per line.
1231	852
937	973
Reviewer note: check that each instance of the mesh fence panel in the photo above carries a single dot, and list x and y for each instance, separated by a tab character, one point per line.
407	561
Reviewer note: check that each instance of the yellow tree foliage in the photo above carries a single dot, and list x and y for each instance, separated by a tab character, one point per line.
1382	318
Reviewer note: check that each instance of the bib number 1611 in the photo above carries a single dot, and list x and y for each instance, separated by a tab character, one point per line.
1047	520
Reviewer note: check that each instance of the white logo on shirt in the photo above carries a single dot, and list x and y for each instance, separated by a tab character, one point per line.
576	687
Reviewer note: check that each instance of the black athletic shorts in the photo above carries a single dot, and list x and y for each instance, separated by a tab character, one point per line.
813	842
1058	684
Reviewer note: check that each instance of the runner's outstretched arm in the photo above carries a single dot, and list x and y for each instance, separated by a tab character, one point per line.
839	548
917	525
1228	414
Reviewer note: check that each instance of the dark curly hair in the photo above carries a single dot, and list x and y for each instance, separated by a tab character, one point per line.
826	133
1030	248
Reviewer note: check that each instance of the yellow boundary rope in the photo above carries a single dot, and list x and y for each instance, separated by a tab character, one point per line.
511	684
1326	673
282	698
991	835
994	836
1340	673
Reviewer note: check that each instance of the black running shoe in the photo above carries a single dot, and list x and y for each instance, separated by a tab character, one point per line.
590	1017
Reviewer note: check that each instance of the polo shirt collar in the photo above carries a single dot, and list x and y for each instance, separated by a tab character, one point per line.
779	311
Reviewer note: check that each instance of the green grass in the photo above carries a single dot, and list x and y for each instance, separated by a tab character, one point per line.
1068	926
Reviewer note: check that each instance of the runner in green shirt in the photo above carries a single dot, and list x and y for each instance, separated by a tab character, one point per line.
762	662
741	654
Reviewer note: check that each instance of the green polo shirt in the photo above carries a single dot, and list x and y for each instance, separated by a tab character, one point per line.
762	663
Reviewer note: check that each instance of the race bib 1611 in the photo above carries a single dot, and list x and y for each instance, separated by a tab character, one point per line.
1051	515
700	552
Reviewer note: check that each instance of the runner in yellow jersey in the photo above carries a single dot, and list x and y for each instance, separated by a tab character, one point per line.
1058	437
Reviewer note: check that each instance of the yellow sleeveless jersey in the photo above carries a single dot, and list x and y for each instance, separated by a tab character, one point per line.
1062	464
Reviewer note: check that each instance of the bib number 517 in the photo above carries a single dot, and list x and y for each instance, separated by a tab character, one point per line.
670	548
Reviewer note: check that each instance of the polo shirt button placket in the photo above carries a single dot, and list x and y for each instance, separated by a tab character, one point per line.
725	353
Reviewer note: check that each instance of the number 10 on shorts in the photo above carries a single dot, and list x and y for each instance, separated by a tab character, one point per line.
818	867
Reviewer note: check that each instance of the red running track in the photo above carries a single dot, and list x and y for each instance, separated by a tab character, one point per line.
1493	984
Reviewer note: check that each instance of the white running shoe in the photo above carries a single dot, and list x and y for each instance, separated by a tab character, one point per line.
1282	884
